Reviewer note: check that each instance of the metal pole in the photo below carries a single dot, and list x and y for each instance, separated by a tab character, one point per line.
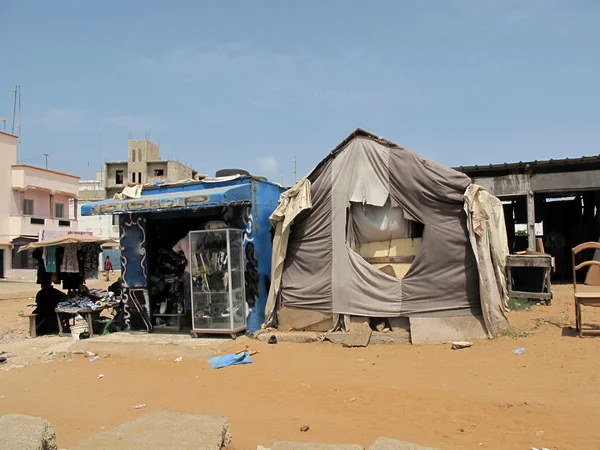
294	170
46	155
14	110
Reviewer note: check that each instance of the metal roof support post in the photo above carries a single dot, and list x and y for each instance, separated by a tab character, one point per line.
530	220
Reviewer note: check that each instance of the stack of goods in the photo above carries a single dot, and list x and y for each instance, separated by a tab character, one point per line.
167	287
93	299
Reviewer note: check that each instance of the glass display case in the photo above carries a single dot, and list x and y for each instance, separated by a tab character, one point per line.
217	284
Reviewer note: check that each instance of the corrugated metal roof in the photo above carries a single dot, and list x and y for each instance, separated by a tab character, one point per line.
543	166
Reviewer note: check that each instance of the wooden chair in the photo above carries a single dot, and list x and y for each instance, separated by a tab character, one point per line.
591	296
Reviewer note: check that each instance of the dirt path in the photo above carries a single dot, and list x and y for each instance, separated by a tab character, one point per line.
482	397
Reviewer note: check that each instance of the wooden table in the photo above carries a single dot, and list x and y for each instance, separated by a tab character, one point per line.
530	261
84	312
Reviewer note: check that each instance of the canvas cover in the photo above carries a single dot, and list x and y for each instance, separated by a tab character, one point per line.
369	189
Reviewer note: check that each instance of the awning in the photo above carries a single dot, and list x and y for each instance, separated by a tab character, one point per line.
66	240
169	201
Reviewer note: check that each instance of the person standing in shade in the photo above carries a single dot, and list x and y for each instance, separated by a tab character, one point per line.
107	267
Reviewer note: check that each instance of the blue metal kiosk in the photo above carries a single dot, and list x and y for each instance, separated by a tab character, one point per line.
145	223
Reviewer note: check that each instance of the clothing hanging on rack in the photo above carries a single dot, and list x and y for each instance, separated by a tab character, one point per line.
50	258
90	261
69	262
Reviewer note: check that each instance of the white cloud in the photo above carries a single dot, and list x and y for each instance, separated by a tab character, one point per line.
61	118
268	167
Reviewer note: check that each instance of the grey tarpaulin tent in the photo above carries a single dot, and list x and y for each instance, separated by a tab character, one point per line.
371	192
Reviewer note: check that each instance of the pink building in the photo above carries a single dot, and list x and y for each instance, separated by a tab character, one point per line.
32	199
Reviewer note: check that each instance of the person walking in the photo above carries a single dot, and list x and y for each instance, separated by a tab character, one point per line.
107	267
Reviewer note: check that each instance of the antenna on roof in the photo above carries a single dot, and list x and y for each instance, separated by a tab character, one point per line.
294	170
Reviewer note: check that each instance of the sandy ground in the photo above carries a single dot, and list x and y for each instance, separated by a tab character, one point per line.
481	397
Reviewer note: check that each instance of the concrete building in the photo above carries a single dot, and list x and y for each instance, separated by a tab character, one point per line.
32	200
143	166
92	191
557	200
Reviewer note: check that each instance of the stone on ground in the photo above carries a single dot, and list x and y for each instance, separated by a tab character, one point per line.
313	446
26	433
296	337
165	430
384	443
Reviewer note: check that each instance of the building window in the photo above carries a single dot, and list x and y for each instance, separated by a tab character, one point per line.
59	210
119	177
159	172
133	155
133	177
23	260
140	154
28	207
140	177
36	221
64	223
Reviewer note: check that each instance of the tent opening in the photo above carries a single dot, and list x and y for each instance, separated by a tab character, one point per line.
383	237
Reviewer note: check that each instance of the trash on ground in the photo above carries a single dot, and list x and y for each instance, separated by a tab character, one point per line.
178	360
2	359
89	354
248	350
95	358
140	406
305	428
101	376
352	400
519	351
273	340
218	362
456	345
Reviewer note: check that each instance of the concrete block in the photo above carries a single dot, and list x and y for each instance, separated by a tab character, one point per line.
26	433
399	323
384	443
314	446
341	338
360	332
165	430
430	330
303	320
393	337
297	337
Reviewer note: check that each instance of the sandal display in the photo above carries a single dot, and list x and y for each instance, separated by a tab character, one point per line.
217	282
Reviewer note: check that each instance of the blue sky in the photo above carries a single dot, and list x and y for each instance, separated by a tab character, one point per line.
255	84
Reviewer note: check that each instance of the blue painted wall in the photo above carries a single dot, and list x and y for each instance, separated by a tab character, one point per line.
115	257
133	251
265	198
